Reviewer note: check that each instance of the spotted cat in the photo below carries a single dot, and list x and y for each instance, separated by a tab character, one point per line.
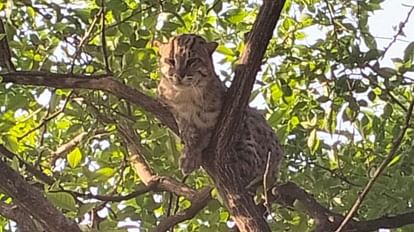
194	93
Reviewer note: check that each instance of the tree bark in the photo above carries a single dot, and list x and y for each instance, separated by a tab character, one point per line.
32	201
225	175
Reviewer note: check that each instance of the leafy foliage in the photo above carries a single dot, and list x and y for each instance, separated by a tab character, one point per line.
335	108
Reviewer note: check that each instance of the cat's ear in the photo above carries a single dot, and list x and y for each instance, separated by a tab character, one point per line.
211	47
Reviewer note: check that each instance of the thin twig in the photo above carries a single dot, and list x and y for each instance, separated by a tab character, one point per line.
378	72
177	201
84	39
335	174
265	184
142	189
215	3
399	32
138	11
395	145
170	200
47	118
332	19
199	201
35	172
390	38
103	38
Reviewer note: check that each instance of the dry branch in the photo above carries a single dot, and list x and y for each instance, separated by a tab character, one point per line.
71	144
85	39
400	31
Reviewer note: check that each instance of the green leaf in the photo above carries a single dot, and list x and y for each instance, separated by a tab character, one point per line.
394	160
62	200
409	52
2	35
225	51
388	109
235	16
74	157
105	173
323	99
11	142
85	208
386	72
313	142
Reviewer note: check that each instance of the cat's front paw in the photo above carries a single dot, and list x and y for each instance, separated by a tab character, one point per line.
189	163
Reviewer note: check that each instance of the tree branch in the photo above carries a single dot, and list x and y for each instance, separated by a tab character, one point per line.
199	201
325	219
103	38
288	193
142	189
35	172
85	39
395	145
246	214
72	144
23	220
104	82
245	74
47	118
400	31
5	54
32	201
386	222
146	174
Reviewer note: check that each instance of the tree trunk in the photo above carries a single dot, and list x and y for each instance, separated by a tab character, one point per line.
246	214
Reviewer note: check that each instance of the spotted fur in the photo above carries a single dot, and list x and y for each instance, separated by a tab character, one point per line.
194	93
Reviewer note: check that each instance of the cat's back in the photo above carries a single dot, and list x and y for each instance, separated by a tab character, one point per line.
256	145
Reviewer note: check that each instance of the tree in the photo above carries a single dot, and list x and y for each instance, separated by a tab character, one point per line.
85	144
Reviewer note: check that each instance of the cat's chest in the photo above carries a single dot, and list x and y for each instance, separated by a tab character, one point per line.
191	106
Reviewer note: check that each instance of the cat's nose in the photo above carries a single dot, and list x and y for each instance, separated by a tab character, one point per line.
180	74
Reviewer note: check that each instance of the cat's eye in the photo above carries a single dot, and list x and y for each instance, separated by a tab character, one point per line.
170	61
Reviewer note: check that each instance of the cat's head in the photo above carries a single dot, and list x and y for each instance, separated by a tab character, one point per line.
186	59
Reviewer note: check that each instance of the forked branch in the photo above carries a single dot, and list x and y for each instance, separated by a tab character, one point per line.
199	199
